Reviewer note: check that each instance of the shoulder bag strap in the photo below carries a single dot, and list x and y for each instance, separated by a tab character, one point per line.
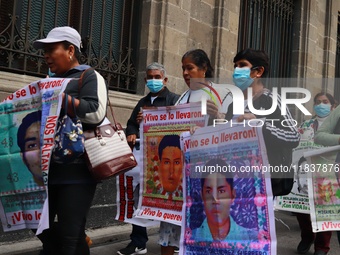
111	110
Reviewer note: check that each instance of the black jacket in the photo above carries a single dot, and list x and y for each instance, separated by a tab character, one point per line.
91	92
165	98
280	140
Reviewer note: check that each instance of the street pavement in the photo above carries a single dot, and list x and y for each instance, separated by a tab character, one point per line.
108	241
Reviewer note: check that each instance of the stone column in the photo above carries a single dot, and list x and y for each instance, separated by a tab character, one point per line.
314	45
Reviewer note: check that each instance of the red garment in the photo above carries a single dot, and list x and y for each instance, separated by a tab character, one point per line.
321	239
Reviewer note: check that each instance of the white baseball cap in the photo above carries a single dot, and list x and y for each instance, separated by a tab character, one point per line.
60	34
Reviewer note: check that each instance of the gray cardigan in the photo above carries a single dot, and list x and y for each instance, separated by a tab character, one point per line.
329	133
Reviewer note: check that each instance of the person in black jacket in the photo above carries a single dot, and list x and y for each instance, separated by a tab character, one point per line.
249	67
159	95
71	187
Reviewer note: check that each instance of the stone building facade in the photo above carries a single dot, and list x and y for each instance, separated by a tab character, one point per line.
168	28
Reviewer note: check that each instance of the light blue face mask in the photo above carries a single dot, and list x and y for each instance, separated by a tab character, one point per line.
241	77
50	74
154	85
322	110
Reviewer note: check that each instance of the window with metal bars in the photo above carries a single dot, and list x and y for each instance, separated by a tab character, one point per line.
267	25
109	30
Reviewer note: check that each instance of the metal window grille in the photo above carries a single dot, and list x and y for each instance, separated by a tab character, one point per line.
109	30
267	25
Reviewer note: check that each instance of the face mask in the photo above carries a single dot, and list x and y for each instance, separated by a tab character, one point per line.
241	77
154	85
50	74
322	110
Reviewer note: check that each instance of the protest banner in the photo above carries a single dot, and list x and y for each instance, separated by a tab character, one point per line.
228	206
297	200
128	189
161	196
28	120
324	193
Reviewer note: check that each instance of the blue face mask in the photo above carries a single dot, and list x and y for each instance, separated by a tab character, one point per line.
322	110
154	85
50	74
241	77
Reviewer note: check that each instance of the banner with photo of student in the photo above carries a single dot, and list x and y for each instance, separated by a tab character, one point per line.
324	183
228	207
161	193
28	119
297	200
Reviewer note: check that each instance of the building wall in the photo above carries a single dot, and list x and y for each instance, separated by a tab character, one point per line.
314	45
315	35
171	27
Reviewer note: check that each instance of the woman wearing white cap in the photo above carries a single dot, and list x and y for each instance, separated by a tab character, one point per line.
70	186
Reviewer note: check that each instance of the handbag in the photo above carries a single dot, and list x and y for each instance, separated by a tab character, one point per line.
107	151
69	138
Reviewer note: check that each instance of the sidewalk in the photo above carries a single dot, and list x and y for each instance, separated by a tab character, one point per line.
107	241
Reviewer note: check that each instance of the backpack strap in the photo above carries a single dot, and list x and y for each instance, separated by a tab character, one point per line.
80	81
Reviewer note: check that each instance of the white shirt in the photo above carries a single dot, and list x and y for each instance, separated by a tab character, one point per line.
224	95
